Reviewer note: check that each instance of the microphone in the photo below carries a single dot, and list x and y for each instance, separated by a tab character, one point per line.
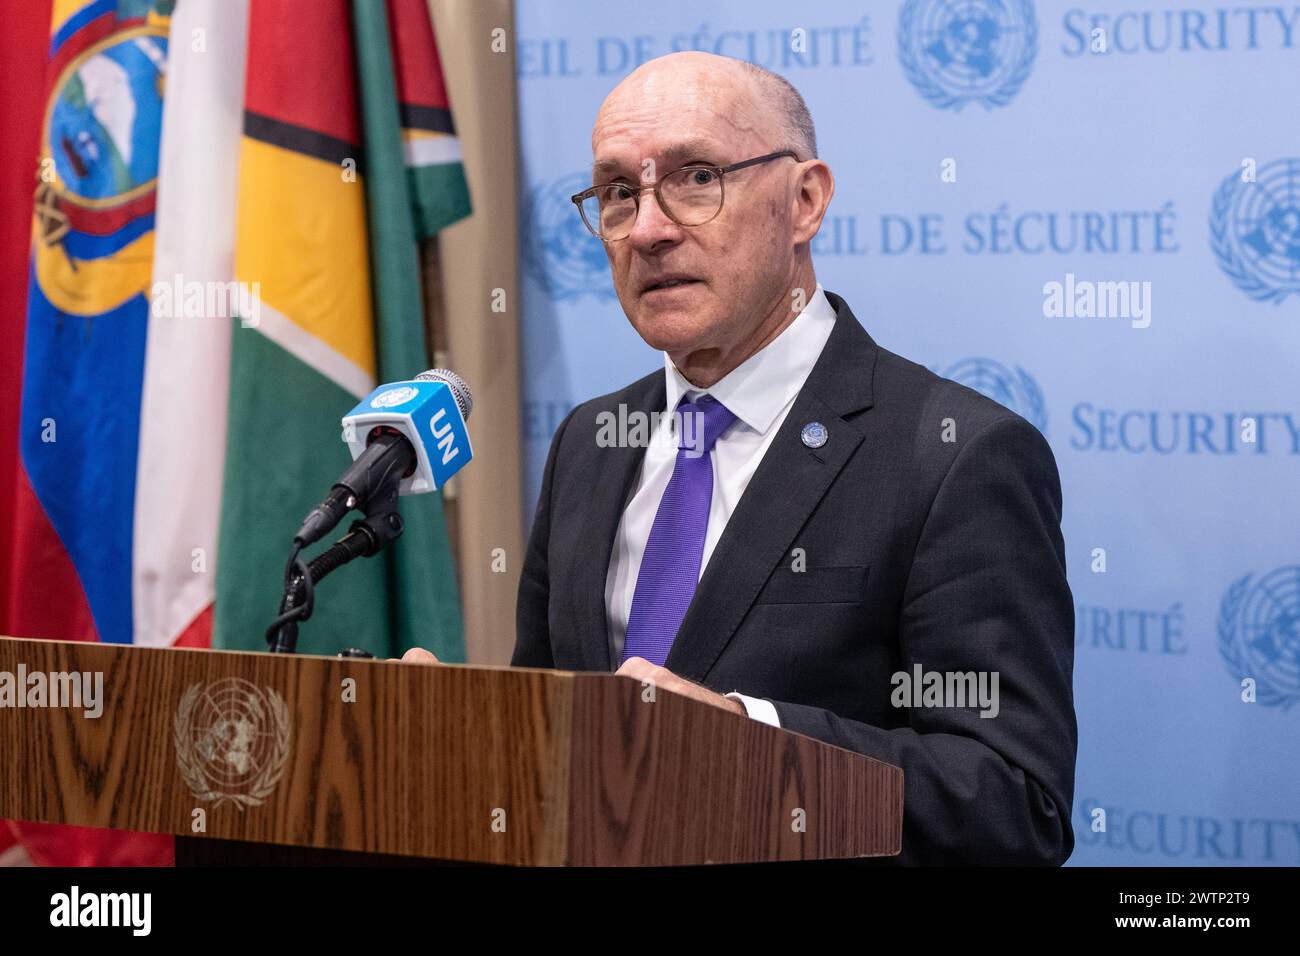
413	432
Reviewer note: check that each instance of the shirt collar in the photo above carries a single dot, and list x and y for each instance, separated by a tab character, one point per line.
760	387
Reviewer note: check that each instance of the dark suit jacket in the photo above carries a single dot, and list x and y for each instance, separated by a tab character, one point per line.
946	554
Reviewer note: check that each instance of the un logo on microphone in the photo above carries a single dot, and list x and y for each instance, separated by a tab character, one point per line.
962	51
1259	634
394	397
558	251
1255	231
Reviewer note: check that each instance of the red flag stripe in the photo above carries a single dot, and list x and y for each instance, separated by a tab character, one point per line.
293	39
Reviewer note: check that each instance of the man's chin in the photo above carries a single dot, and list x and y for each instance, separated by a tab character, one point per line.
674	317
670	330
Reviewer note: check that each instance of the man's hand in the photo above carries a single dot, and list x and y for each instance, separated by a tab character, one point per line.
416	655
641	669
638	668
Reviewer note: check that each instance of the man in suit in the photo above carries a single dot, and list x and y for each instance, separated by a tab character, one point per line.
813	516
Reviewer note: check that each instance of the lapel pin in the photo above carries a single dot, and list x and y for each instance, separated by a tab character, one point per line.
814	434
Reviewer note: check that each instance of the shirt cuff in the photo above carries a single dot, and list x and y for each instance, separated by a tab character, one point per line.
758	708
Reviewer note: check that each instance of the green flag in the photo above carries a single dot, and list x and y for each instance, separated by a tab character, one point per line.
425	608
327	241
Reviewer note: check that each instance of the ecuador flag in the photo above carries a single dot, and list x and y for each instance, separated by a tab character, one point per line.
84	347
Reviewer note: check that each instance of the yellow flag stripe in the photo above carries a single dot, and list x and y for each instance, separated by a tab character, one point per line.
301	246
94	285
61	11
311	351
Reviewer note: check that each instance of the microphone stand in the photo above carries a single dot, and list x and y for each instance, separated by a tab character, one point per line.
367	536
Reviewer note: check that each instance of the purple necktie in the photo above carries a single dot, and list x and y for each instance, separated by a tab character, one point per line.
670	567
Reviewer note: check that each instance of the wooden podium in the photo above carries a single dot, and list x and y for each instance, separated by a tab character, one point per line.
260	758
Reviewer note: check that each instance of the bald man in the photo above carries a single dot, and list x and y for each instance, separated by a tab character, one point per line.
816	530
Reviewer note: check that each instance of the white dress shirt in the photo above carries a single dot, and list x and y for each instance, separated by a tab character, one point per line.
760	393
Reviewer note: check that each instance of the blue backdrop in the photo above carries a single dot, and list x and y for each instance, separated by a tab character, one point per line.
996	161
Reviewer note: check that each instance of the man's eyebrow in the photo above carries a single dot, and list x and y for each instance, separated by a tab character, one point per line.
684	151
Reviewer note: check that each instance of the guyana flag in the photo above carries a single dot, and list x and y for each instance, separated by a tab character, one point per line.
435	176
326	247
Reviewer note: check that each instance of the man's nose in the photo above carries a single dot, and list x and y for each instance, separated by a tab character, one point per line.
652	227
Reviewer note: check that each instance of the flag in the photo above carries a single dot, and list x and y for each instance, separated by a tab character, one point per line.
23	45
84	350
438	192
409	189
310	345
187	348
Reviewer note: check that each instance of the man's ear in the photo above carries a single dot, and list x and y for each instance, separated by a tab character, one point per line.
813	191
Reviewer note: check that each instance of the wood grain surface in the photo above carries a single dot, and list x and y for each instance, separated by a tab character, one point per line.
454	762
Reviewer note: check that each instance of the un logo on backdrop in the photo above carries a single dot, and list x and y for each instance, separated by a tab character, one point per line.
1255	231
961	51
1259	634
565	259
1016	390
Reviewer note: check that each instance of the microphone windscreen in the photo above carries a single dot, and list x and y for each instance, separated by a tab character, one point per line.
459	390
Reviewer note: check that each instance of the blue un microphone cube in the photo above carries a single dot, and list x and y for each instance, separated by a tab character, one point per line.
425	412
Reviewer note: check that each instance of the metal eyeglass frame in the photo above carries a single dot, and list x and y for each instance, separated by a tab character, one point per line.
720	171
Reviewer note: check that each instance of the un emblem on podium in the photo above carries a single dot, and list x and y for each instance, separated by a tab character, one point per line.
1259	634
1255	231
962	51
232	741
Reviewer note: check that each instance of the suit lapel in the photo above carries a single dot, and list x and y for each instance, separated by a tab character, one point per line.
616	471
787	486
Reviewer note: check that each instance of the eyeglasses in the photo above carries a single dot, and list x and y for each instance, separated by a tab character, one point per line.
690	196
